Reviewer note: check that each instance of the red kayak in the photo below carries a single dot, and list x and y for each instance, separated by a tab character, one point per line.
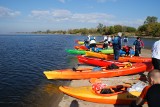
96	61
102	63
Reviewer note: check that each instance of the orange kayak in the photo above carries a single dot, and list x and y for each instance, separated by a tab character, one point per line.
81	47
121	59
114	95
87	73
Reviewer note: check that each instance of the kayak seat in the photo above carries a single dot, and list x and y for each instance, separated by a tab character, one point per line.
112	90
106	91
112	66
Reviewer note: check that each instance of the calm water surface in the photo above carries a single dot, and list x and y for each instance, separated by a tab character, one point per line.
23	58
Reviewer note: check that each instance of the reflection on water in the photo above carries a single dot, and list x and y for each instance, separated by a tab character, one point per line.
48	95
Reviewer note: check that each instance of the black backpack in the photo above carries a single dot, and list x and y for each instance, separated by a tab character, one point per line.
113	66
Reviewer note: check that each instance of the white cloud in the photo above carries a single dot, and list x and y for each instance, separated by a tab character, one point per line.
62	15
92	17
39	14
6	12
66	15
135	23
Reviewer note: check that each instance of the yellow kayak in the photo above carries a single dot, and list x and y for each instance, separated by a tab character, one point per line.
117	95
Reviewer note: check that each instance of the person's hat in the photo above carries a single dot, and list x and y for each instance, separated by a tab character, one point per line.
119	34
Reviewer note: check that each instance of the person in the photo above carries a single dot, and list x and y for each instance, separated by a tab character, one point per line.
105	42
92	43
126	49
137	46
109	40
156	55
150	93
105	38
125	40
117	46
141	45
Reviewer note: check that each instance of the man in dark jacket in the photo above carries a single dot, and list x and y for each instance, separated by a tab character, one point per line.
137	46
117	46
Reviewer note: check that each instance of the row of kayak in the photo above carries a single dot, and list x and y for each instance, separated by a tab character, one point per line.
103	66
99	72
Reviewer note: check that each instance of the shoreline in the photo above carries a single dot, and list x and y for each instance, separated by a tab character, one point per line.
68	101
149	37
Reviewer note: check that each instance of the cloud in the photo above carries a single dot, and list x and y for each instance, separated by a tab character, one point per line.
92	17
66	15
135	22
63	16
6	12
39	14
60	13
62	1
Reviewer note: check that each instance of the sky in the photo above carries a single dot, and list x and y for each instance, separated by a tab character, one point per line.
35	15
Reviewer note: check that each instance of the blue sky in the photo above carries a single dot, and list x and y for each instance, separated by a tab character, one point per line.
34	15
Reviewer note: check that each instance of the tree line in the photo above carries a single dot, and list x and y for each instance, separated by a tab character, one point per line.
151	27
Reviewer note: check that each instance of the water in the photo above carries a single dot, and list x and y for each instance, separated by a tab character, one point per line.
23	58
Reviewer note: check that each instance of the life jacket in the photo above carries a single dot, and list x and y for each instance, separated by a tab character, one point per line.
98	86
126	48
92	38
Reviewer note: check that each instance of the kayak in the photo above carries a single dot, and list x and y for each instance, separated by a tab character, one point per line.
83	52
76	52
96	61
104	63
97	72
81	47
107	51
80	42
114	95
121	59
99	55
110	51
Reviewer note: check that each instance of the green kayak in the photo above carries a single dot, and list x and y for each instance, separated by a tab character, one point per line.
107	51
76	52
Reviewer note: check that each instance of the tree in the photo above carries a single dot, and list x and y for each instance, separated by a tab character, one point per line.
100	28
153	29
151	19
111	30
130	29
48	31
105	30
118	28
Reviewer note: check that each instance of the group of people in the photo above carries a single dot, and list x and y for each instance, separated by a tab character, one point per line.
150	93
117	42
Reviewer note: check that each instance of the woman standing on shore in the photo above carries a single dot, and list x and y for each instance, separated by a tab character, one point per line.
141	46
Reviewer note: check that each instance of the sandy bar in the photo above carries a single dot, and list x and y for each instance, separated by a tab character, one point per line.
68	101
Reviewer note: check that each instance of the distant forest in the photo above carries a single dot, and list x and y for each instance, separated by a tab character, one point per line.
151	27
